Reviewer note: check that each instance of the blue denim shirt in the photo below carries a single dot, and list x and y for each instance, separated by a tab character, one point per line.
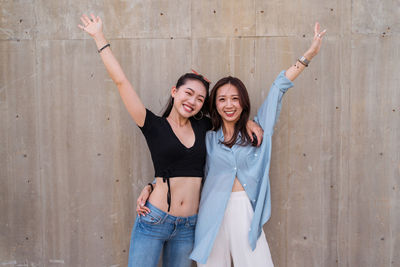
249	164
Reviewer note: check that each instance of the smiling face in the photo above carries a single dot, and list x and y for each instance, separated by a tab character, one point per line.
228	104
189	98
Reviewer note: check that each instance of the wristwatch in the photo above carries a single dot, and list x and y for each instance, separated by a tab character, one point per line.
304	61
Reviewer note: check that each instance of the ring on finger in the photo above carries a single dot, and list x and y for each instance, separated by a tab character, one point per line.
319	35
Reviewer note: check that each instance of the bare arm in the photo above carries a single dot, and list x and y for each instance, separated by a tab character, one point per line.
94	27
297	68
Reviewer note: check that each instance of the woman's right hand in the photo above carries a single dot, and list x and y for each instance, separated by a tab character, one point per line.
141	209
93	26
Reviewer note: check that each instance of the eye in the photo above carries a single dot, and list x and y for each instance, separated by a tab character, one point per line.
235	98
188	93
221	99
200	100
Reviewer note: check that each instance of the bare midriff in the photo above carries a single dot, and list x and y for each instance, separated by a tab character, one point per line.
185	195
237	186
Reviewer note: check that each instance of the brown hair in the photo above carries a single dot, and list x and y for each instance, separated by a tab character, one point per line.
240	125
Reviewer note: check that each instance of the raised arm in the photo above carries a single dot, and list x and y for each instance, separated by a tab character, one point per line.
269	111
299	66
94	27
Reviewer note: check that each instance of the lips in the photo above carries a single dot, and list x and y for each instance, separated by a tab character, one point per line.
229	113
187	108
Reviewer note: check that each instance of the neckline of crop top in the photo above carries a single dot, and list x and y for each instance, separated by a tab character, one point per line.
177	138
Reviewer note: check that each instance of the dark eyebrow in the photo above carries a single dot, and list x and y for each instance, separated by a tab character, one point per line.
225	95
193	92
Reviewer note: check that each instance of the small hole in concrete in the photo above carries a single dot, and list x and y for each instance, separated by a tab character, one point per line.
382	238
316	79
381	154
25	155
262	11
27	238
101	237
215	11
304	154
331	9
117	180
20	21
161	14
98	154
305	238
17	116
304	35
337	107
124	251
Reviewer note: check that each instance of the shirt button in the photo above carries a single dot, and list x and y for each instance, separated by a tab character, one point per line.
255	154
253	200
244	185
234	168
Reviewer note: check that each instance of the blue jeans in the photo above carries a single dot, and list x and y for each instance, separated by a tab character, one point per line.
160	231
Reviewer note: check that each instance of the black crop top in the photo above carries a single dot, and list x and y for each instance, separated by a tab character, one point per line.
170	157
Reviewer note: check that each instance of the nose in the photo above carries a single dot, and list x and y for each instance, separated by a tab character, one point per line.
192	100
229	103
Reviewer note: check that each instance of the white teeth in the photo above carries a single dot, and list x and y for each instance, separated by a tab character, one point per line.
189	109
229	112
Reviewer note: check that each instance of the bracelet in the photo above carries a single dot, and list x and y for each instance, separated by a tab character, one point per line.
101	49
303	61
151	185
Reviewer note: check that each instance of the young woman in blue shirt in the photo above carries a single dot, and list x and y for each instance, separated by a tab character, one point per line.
177	144
235	200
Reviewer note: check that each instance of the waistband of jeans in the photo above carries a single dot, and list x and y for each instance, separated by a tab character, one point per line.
170	218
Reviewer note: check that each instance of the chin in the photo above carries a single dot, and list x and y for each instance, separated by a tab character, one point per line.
230	120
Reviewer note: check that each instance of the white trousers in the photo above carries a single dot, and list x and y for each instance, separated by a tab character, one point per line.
233	238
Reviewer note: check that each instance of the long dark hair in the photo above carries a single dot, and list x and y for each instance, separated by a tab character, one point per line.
240	125
181	81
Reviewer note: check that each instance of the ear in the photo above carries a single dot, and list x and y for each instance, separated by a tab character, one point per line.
173	91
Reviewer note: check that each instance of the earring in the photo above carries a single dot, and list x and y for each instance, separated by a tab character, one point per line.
201	116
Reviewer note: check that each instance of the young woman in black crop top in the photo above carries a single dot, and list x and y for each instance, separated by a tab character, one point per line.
177	145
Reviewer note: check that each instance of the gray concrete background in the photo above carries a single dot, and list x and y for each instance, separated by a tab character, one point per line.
72	162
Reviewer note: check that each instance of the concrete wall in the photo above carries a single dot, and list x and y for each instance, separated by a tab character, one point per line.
72	162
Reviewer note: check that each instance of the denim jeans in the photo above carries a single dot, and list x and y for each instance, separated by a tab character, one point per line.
158	231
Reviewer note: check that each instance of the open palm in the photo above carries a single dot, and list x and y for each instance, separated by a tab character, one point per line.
91	25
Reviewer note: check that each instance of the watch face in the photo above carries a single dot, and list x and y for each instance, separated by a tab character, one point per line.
304	60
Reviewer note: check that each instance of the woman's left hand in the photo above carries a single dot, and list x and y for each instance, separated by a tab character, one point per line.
317	41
